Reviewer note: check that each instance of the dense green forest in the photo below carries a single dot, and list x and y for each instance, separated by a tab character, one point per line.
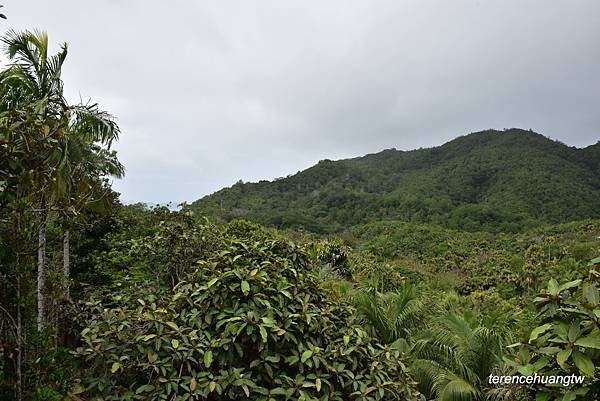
492	180
397	276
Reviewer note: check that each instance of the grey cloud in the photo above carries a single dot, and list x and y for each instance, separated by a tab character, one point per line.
207	93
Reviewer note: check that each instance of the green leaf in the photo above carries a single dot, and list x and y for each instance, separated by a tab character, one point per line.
77	389
245	287
563	355
115	367
172	325
590	292
540	363
583	363
208	358
144	388
591	341
278	391
549	350
574	331
526	370
175	343
568	285
263	334
553	287
291	360
305	355
212	282
535	333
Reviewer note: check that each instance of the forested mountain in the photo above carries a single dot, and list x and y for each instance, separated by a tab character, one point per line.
491	180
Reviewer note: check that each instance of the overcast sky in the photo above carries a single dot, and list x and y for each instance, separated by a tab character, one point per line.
207	93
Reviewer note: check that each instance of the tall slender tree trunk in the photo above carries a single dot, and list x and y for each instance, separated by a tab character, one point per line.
19	324
41	267
19	332
66	263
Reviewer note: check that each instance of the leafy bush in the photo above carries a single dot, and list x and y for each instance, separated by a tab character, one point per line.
568	340
335	255
173	249
251	323
382	276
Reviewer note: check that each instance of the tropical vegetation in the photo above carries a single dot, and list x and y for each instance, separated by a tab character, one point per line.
397	276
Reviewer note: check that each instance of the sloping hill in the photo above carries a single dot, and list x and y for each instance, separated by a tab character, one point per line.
490	180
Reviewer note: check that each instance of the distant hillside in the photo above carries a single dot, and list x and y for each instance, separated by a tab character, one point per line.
491	180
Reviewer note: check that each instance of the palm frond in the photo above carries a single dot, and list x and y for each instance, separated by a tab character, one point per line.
461	353
371	311
94	124
389	316
457	389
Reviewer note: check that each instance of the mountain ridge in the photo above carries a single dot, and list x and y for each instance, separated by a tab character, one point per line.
489	180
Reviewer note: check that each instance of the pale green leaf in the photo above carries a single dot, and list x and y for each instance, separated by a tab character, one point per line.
115	367
263	334
563	355
208	358
245	287
591	341
535	333
583	363
173	325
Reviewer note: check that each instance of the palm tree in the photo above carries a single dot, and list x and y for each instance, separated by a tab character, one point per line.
34	78
455	356
390	316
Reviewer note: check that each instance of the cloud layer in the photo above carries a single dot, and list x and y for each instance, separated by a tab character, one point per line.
207	93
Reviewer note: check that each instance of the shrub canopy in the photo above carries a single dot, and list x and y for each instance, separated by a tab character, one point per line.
251	322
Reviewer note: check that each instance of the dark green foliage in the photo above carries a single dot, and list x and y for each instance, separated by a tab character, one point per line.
54	160
567	338
174	248
251	323
379	275
511	264
334	254
491	180
138	244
